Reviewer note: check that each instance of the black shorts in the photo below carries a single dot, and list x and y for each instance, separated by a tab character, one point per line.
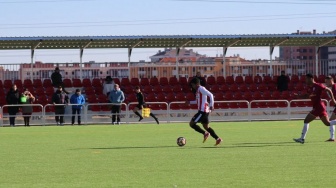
140	106
202	117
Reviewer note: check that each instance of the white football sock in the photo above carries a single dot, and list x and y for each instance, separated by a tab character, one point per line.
332	131
332	122
304	130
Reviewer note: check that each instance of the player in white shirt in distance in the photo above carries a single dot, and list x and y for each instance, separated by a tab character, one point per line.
204	108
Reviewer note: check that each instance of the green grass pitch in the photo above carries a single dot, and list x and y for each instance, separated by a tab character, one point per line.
253	154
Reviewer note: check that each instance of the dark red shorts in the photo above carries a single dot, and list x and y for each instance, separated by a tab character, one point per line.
319	110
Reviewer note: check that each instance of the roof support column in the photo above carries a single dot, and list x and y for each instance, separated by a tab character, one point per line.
129	62
33	47
225	48
271	66
177	62
224	61
317	49
81	52
129	56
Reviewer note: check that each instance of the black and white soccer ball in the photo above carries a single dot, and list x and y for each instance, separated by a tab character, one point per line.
181	141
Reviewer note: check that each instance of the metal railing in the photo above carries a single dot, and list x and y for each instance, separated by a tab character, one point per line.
243	112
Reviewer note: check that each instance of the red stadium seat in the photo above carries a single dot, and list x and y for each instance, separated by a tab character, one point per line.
253	88
257	96
224	88
147	89
67	82
102	98
220	80
257	79
157	89
131	98
144	81
248	80
276	95
247	96
243	88
190	97
239	80
262	87
150	97
96	82
233	88
18	83
7	84
164	81
77	83
266	95
47	83
1	85
154	81
214	88
229	80
274	79
27	83
173	81
228	96
321	79
124	82
180	96
267	80
211	80
37	83
219	97
167	89
303	79
89	91
86	82
116	81
294	79
49	91
238	96
177	88
183	81
171	97
161	97
135	82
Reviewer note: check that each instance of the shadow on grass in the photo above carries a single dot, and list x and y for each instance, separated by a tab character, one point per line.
223	146
134	147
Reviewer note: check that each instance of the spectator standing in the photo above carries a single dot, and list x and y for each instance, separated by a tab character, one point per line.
282	82
13	98
60	97
116	97
108	85
57	80
79	100
26	109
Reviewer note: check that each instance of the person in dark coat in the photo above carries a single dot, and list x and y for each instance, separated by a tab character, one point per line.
56	79
282	82
60	97
13	98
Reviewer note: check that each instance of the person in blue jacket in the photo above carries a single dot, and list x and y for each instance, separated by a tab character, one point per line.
78	99
116	97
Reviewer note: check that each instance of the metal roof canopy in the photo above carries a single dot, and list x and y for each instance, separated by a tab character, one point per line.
164	41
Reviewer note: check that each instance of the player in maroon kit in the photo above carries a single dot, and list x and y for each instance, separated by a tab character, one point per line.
329	80
319	109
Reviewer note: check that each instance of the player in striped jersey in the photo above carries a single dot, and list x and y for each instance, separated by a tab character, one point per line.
204	108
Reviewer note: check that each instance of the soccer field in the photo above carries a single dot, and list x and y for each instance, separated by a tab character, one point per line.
252	154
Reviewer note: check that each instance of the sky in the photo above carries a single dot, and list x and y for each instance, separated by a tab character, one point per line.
156	17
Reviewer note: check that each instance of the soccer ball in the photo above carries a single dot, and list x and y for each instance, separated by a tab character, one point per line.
181	141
